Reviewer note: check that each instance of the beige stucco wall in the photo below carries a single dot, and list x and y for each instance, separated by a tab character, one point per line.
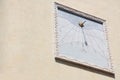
27	39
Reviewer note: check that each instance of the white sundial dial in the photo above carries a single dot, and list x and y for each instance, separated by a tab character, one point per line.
82	39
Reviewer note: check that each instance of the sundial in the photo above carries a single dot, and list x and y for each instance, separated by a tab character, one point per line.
82	38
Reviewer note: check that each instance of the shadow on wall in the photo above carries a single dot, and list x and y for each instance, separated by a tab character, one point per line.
84	67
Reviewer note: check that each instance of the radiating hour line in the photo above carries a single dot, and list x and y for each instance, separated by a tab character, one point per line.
67	33
76	32
98	47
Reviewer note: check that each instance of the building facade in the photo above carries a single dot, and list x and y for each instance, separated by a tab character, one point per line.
27	38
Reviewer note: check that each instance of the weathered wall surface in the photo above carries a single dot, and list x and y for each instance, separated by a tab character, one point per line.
27	39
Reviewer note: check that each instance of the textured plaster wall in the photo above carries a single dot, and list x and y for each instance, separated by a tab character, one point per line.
27	39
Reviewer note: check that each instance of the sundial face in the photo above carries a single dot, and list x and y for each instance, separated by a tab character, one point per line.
81	39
